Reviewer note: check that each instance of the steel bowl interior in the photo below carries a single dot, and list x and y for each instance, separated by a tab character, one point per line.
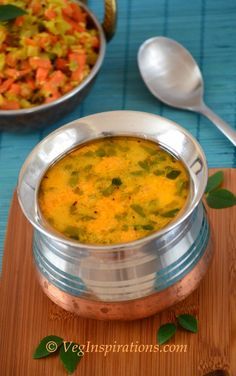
168	134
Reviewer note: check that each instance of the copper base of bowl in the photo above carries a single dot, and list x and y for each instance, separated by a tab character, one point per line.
133	309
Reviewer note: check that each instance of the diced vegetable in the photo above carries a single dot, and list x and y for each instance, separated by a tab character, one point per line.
52	45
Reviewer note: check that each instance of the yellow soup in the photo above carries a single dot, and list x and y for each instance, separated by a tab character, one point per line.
113	190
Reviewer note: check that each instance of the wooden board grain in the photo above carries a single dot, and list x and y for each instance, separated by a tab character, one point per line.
27	315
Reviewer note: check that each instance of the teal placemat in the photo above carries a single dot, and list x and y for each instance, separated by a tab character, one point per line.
206	27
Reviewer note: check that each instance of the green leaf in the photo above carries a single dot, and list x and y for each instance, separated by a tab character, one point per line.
173	174
9	12
70	355
100	152
214	181
188	322
138	209
47	346
165	332
220	198
108	191
74	178
170	213
116	181
148	227
144	165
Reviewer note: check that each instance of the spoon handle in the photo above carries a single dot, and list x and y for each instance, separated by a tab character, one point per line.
229	132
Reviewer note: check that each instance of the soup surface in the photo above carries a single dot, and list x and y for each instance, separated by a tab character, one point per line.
113	190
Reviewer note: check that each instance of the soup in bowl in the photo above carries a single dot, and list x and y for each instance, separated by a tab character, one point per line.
115	200
113	190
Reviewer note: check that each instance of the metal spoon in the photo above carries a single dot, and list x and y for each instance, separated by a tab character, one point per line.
173	76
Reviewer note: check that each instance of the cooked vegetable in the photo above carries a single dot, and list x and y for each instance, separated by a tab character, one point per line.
46	51
107	198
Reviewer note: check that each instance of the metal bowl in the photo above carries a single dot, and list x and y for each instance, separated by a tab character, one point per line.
44	115
129	280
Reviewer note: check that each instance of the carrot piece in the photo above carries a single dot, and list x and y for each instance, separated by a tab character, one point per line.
12	73
74	25
39	62
31	83
53	97
77	58
57	79
30	42
95	42
36	7
10	105
77	75
67	11
25	65
41	75
6	85
77	13
25	91
14	89
67	87
11	60
50	14
61	64
19	21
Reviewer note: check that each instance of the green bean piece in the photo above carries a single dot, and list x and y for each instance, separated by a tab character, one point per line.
149	150
159	172
138	209
137	173
74	178
87	167
110	152
144	165
89	154
68	166
173	174
72	232
100	152
87	218
181	185
170	213
116	181
125	228
108	191
148	227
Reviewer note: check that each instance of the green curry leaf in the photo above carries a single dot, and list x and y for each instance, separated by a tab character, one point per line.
10	12
70	355
214	181
47	346
165	332
188	322
220	198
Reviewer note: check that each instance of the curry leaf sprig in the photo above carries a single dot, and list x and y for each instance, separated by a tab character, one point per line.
69	352
167	331
217	197
10	12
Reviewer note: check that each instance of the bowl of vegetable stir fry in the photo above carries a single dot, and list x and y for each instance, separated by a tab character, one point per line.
50	54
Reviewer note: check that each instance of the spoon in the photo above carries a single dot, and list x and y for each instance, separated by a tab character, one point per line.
173	76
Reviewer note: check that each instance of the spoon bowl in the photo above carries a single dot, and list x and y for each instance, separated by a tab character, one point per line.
173	76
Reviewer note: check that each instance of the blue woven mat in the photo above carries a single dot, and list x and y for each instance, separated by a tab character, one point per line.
206	27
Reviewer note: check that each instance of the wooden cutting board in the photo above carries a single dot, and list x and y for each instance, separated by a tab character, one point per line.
27	315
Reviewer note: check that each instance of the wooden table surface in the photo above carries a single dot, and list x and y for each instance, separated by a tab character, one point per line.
27	315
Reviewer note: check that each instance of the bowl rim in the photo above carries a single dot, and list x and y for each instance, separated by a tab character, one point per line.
77	89
56	236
